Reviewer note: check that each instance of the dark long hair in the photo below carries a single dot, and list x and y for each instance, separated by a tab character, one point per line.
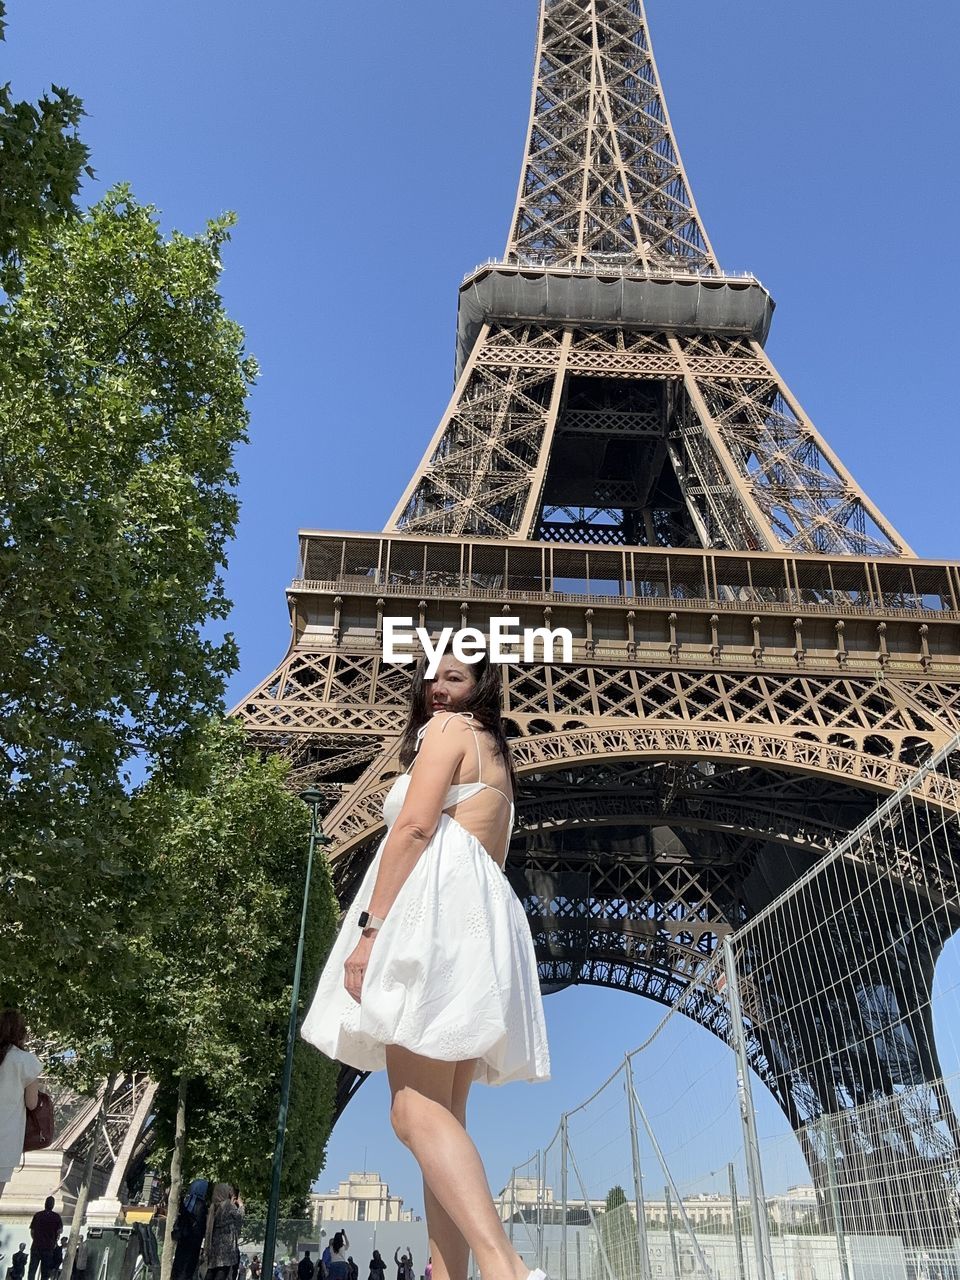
484	703
13	1030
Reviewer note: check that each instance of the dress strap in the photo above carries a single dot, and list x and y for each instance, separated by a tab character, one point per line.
420	732
466	715
490	787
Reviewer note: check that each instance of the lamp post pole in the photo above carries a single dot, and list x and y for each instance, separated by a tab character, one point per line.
314	799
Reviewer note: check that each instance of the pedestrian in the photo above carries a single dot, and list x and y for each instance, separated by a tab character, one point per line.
436	905
19	1072
60	1248
339	1245
58	1254
306	1269
223	1232
325	1261
404	1263
378	1267
428	1269
18	1263
80	1259
189	1229
45	1228
353	1271
256	1266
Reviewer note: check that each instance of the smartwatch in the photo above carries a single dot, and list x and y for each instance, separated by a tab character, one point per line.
367	921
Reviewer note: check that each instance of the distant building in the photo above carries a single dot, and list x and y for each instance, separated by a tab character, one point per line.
794	1210
518	1200
362	1197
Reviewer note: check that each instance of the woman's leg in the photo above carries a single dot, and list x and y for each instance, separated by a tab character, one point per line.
423	1119
447	1244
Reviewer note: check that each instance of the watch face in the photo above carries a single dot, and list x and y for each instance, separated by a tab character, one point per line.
364	919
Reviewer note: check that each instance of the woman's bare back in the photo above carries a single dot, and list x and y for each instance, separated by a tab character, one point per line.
487	815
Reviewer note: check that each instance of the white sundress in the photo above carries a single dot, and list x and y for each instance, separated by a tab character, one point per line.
452	974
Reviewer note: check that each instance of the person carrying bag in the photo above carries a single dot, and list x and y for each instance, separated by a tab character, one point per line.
19	1096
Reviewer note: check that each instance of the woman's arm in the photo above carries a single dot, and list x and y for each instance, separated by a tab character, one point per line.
441	754
31	1070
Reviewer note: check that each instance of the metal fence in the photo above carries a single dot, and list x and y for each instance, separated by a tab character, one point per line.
839	1001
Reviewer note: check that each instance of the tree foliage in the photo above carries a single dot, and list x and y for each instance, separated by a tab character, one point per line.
42	160
199	982
618	1231
122	398
232	860
616	1196
146	927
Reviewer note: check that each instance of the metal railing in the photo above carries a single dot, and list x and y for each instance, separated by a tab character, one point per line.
631	272
465	588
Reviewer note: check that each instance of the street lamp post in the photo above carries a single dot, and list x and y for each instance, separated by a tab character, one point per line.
314	799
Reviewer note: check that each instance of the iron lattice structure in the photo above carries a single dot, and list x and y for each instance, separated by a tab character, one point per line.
602	179
758	655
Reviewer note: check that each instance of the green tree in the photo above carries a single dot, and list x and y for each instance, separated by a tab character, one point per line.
197	990
122	398
618	1232
232	858
42	160
150	928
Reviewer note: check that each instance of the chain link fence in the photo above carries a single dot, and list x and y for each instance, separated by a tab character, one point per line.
839	1003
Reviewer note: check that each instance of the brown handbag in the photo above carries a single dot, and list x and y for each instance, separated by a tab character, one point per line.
39	1128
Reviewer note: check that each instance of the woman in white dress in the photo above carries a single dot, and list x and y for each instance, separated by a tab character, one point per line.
19	1072
433	975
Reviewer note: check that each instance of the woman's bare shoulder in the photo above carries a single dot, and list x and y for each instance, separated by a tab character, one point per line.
448	724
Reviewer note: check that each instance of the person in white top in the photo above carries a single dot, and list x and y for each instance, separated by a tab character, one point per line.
434	975
338	1267
19	1072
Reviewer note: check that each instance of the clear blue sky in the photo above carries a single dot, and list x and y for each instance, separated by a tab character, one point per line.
371	152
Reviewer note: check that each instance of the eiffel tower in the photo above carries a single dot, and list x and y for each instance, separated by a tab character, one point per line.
758	656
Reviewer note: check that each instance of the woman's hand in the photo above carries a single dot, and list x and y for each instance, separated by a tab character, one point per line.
355	965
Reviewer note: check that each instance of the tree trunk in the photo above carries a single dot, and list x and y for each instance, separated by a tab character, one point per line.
83	1195
176	1180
